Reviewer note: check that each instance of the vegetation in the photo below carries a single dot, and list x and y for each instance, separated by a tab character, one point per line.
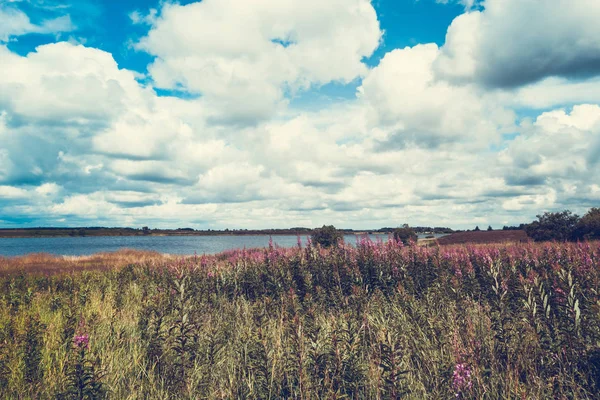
553	226
406	235
588	227
379	320
565	226
520	227
101	231
327	236
421	229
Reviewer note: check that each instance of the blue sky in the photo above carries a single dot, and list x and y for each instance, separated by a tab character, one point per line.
107	26
222	114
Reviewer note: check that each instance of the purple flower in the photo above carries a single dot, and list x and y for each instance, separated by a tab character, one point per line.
461	378
81	341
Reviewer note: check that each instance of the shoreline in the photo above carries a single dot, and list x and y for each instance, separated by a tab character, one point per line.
181	235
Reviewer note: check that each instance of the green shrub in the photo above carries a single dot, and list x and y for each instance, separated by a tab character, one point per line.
327	236
588	226
406	235
558	226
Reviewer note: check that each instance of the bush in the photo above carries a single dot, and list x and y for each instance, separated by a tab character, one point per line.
558	226
406	235
588	226
327	236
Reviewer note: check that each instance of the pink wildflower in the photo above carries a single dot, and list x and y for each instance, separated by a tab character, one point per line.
81	341
461	379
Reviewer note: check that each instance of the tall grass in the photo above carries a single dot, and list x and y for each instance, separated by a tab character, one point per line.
375	321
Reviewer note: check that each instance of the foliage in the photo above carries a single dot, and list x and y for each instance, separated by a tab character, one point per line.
84	381
371	321
33	343
588	227
327	236
406	235
558	226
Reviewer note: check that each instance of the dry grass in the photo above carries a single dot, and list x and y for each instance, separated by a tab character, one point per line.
484	237
48	264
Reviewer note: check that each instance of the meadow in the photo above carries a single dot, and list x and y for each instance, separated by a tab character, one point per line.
375	321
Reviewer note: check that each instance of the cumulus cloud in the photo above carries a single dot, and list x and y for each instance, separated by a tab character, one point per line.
514	42
14	22
554	153
404	94
86	141
243	57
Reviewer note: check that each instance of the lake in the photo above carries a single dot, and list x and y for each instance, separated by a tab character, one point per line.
78	246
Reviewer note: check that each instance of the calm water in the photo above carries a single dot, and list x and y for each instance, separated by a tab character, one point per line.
76	246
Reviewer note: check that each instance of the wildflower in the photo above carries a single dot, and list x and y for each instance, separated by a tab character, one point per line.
461	379
81	341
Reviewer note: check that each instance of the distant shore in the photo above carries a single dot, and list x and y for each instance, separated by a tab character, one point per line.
100	232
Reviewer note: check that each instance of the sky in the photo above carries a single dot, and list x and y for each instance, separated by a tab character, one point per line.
244	114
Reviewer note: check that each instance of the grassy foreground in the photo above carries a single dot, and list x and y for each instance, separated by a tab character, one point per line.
378	321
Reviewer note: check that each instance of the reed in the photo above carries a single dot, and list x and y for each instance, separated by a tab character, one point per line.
371	321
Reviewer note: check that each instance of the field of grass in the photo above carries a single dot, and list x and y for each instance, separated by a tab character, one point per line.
378	321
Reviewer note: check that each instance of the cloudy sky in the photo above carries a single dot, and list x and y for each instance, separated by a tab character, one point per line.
281	113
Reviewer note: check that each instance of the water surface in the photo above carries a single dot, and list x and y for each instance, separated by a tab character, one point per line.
77	246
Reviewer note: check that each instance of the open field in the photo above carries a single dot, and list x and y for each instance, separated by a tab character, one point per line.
484	237
378	321
47	264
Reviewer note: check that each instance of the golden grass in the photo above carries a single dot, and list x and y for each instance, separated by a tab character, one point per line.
48	264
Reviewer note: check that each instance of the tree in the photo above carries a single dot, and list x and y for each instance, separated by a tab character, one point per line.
588	227
553	226
477	228
327	236
406	235
490	228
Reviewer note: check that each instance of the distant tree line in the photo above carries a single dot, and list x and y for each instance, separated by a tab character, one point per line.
421	229
520	227
565	226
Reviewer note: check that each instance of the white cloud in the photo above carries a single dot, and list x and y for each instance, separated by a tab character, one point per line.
62	81
48	189
552	92
404	94
242	56
557	153
468	4
11	193
515	42
14	22
82	139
